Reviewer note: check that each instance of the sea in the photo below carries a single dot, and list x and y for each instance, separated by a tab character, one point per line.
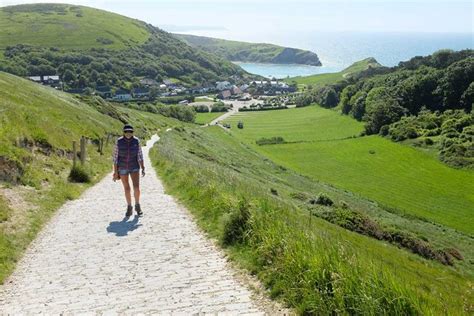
338	50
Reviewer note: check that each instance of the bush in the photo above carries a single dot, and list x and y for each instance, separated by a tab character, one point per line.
322	199
270	141
79	175
236	224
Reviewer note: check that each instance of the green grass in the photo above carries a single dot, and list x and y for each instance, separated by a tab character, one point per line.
204	118
394	175
39	115
330	78
58	25
314	266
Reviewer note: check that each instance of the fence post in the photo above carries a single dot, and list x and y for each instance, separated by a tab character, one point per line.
83	150
107	141
74	154
101	145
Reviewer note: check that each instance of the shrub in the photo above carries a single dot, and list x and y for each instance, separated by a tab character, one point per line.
236	224
322	199
270	141
79	175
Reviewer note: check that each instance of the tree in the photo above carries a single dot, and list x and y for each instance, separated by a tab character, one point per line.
382	112
457	78
68	76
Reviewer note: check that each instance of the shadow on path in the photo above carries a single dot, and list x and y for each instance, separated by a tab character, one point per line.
122	228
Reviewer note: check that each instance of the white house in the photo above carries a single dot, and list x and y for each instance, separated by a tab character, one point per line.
122	95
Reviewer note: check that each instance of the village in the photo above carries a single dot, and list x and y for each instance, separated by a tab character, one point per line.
151	90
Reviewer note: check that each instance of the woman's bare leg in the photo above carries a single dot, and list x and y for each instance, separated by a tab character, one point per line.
136	186
126	188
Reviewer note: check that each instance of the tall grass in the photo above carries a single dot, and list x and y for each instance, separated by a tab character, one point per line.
313	266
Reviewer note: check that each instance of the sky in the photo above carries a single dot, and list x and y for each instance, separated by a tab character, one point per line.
255	19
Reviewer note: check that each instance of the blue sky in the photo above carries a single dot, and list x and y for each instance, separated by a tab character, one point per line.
252	19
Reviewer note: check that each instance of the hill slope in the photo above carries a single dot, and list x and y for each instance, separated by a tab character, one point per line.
72	27
37	127
252	52
262	212
331	78
89	47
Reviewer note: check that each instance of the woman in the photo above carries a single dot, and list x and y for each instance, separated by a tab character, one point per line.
128	159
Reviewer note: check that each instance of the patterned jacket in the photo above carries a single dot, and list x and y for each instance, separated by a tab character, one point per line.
128	153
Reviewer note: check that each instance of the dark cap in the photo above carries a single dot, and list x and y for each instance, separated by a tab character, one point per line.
128	128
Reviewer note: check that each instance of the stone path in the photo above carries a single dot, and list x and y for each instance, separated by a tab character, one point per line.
89	259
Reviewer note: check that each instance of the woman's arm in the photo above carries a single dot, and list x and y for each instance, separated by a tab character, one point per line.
140	159
115	161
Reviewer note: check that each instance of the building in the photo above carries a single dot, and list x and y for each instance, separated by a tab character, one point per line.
235	90
223	95
148	82
104	91
223	85
244	87
53	81
141	93
122	95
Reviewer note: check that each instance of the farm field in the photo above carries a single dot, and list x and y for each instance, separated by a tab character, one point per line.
397	176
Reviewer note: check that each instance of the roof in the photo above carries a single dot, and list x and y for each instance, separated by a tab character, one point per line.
148	81
141	90
102	89
35	78
226	93
122	91
51	77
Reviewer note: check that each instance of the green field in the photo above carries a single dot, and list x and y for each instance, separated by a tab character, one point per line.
330	78
204	118
396	176
68	26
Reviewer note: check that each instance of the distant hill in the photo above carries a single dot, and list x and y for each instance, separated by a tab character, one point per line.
330	78
89	47
252	52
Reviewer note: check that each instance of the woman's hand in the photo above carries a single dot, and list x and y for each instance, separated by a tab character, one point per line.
143	172
116	176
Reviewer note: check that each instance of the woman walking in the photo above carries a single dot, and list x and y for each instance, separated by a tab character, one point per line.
128	159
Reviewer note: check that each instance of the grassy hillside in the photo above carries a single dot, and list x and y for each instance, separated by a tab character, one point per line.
397	176
71	27
37	127
258	211
332	78
90	47
251	52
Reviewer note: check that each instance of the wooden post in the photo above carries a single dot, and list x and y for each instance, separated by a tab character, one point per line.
83	150
107	141
101	145
74	154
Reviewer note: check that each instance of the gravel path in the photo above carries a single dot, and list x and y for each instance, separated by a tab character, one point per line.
89	259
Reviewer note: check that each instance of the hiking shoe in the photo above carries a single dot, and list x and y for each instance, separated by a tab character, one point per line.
138	209
129	211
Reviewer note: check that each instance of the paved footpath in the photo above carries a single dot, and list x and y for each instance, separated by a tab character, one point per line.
89	259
